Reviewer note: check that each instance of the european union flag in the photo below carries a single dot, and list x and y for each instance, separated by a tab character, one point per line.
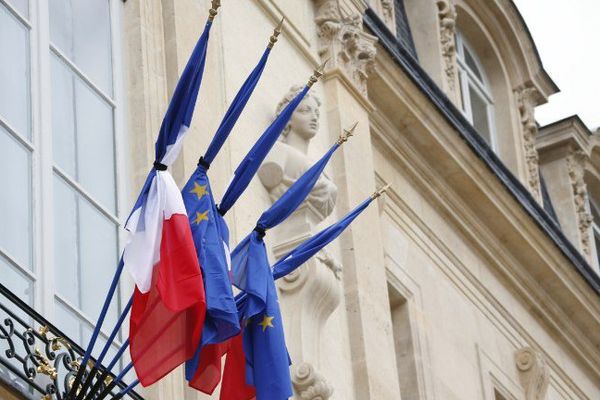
210	232
266	357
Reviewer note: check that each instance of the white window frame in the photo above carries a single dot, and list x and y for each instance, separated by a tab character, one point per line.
594	210
43	167
468	79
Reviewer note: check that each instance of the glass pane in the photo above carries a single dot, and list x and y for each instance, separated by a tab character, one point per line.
63	117
17	282
65	242
81	30
100	343
82	125
14	73
95	145
21	6
68	322
15	199
470	60
98	241
480	114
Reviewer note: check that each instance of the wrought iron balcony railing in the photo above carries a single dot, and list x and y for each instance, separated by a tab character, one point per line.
37	361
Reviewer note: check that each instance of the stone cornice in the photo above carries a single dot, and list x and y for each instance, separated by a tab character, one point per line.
568	132
544	267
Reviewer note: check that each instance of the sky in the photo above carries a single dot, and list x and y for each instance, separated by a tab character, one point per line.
567	35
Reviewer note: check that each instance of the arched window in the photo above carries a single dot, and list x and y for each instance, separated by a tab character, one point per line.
477	101
595	209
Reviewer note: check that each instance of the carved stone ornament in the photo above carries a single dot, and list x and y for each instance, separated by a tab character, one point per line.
447	17
526	104
344	42
533	373
575	167
330	262
308	384
388	10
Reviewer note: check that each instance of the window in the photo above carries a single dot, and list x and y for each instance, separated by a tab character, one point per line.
596	226
58	139
498	395
477	101
404	347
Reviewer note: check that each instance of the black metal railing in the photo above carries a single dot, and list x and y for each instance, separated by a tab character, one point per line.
36	359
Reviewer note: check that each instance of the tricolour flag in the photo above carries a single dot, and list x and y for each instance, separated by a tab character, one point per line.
168	302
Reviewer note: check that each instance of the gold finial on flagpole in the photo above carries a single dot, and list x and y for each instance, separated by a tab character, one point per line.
317	74
212	13
276	33
380	191
347	133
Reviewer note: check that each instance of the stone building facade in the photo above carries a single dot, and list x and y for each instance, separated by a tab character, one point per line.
475	277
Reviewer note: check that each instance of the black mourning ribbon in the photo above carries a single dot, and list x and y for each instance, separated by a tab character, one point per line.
260	230
203	163
159	167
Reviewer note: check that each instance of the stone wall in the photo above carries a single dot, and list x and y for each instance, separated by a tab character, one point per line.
445	289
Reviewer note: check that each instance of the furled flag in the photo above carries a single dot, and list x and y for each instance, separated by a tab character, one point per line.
209	229
266	359
234	384
203	371
168	302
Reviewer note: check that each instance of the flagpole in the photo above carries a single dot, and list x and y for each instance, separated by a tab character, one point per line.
99	322
126	390
107	345
108	370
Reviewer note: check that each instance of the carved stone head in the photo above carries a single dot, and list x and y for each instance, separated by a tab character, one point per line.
305	120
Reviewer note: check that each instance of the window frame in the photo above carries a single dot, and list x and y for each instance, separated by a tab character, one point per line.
43	167
469	79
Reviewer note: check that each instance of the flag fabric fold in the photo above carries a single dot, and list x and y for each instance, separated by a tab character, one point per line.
250	164
168	302
314	244
203	371
266	360
211	238
234	375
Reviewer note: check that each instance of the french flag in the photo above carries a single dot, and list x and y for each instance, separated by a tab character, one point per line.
169	303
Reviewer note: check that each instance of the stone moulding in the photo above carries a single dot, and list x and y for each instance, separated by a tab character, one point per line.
534	373
576	168
526	103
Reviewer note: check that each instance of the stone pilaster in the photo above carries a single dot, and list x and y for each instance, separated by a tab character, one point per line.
447	23
346	101
575	167
563	149
526	102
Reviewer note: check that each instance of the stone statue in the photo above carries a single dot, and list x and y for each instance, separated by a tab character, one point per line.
288	159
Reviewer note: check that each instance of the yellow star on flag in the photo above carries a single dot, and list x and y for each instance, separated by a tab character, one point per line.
267	322
199	190
201	216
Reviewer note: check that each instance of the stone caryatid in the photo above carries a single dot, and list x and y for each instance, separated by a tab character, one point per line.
288	159
310	294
